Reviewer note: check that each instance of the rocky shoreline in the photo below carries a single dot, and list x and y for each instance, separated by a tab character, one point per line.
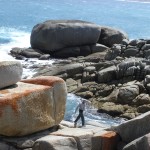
101	65
118	87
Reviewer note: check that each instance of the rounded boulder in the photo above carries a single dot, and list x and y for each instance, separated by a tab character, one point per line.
10	73
53	35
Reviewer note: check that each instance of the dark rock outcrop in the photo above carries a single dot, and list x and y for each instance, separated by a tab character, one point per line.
110	36
54	35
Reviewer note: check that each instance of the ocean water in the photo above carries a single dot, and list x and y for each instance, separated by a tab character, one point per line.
17	18
90	113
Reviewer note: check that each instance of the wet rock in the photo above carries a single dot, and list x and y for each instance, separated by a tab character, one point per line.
44	57
31	53
26	52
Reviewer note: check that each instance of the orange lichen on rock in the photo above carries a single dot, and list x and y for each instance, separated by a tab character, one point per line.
11	99
110	140
44	80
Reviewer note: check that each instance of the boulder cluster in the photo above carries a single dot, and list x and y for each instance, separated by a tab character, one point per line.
102	64
68	38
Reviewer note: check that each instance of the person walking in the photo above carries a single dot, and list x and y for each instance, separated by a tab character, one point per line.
81	108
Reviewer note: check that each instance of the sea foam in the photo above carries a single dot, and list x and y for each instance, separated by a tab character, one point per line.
11	37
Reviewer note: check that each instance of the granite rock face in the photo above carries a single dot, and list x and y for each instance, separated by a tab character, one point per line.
134	128
142	143
54	35
55	143
69	38
83	137
110	36
32	105
10	73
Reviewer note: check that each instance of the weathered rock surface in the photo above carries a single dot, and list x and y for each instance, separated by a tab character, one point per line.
82	137
127	94
26	52
110	36
55	143
85	76
134	128
64	136
111	109
106	75
32	105
54	35
10	73
142	143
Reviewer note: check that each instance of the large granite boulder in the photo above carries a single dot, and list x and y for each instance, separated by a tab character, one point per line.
54	35
10	73
134	128
110	36
32	105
